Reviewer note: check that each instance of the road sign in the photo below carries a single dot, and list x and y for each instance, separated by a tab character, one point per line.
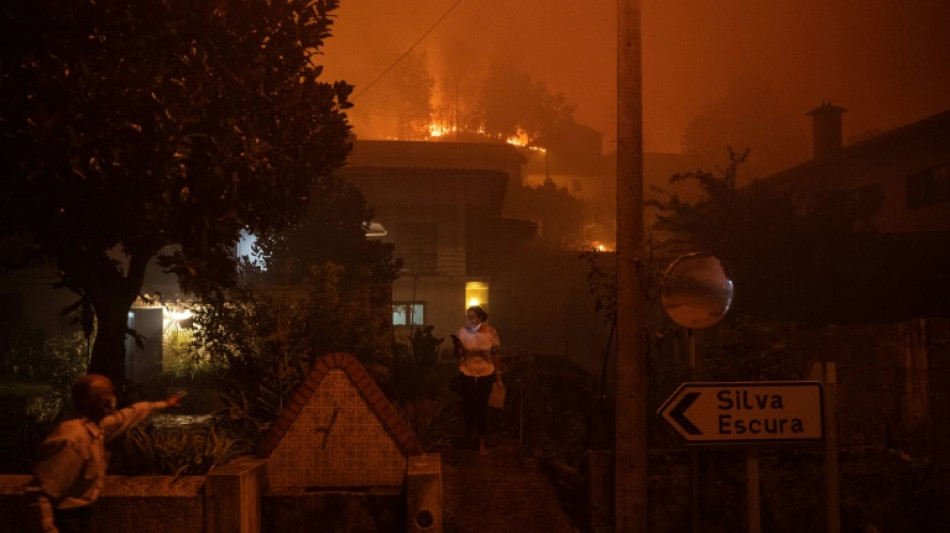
746	412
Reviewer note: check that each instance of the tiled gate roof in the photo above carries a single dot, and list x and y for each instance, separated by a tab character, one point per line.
350	434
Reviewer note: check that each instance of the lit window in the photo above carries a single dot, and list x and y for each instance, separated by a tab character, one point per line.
476	293
409	314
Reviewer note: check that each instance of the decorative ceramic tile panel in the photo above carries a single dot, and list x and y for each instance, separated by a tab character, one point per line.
336	440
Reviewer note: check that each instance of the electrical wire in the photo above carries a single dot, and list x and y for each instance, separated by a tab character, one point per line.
400	58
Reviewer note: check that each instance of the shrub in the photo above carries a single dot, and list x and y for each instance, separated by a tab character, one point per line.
181	360
56	363
36	392
431	419
264	340
174	451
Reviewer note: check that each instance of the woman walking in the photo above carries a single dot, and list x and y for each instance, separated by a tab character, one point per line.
479	351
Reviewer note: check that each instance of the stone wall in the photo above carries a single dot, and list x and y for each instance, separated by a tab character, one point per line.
157	504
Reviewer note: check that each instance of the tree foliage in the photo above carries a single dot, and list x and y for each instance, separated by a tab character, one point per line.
461	69
264	341
336	234
136	129
790	247
560	216
398	103
496	99
511	103
414	87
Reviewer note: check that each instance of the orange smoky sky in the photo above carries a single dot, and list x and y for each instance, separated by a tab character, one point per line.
886	61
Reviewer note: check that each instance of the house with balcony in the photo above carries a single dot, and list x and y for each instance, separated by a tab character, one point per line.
440	204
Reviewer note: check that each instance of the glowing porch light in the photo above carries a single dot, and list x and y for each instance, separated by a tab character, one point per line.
175	319
476	293
175	314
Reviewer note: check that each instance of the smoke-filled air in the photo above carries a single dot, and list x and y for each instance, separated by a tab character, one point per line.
886	62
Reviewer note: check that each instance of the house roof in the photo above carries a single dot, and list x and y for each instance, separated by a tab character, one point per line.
429	154
376	401
935	127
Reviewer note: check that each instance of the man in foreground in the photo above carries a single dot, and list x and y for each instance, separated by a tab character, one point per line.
72	461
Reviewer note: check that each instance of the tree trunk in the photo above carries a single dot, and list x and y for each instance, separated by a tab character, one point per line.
108	351
112	297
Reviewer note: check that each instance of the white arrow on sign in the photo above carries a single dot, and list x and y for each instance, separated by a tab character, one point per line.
746	412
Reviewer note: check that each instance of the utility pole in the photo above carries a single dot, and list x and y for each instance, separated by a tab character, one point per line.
630	438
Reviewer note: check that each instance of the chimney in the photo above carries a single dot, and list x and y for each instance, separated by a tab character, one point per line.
826	130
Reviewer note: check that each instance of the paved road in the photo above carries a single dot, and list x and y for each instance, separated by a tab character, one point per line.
502	492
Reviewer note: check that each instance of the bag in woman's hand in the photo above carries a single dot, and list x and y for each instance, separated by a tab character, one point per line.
497	397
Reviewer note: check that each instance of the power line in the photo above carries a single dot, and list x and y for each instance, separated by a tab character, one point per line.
400	58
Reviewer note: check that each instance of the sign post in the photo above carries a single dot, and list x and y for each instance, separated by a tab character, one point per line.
748	412
696	294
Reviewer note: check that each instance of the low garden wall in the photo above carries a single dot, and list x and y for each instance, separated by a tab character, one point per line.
160	504
141	503
232	499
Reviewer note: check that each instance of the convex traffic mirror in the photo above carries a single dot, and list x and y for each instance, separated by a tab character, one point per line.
697	290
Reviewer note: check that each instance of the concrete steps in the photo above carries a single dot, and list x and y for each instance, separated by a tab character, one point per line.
504	491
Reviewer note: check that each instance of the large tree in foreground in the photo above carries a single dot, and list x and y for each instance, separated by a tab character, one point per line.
136	129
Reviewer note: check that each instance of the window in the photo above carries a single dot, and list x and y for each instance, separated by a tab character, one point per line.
476	293
929	187
409	314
